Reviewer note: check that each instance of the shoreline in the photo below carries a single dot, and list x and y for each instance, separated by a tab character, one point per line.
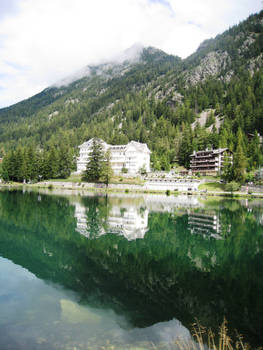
122	188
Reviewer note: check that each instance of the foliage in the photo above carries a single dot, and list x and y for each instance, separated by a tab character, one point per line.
122	272
232	186
124	170
143	171
106	170
94	166
98	168
154	101
27	164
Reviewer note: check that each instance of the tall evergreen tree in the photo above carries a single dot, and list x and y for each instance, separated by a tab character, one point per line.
186	147
65	161
94	167
239	166
106	171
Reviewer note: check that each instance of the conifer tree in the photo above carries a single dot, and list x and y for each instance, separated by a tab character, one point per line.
186	147
31	163
254	152
239	166
106	171
227	173
65	161
53	163
94	166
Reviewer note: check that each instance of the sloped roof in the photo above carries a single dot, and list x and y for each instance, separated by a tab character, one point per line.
89	142
140	147
210	151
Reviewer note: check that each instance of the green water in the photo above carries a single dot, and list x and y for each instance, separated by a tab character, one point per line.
120	272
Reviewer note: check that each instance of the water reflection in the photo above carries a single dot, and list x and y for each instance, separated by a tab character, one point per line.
156	264
126	220
205	223
127	216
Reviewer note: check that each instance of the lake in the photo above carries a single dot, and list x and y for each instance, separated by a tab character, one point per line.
126	271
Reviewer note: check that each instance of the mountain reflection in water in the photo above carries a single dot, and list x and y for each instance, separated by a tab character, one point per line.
149	259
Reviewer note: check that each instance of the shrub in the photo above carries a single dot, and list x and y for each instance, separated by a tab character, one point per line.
232	186
124	170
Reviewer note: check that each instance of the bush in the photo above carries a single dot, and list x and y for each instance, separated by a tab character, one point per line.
168	192
143	171
124	170
232	186
126	191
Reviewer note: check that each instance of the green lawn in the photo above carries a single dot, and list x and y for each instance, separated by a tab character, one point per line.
126	180
114	180
212	186
72	178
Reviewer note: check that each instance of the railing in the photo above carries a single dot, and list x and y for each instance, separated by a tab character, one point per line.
204	166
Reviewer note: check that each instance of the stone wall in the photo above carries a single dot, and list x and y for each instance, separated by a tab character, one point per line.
153	185
253	189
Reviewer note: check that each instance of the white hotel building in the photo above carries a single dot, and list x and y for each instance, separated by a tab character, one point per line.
133	156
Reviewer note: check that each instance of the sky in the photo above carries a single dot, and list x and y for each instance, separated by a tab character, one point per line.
44	41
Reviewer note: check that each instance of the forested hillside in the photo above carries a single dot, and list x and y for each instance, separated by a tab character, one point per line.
214	98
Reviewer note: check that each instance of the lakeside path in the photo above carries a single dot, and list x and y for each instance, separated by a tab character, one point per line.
83	187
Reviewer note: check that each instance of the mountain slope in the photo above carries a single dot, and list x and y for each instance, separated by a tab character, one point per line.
154	98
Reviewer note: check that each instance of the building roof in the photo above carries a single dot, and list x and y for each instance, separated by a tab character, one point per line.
210	151
140	147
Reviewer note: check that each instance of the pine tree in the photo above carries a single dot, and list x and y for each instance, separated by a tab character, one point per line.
31	163
53	163
254	151
228	171
239	166
186	147
106	171
5	173
65	161
94	167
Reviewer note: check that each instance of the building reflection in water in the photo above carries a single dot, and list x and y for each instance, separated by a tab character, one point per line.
205	223
129	216
127	220
81	216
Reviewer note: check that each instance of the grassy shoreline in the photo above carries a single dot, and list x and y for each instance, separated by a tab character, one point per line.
84	186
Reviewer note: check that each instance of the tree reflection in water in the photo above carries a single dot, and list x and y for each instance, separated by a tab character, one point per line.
150	261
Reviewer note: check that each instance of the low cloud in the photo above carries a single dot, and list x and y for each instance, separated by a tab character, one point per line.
42	42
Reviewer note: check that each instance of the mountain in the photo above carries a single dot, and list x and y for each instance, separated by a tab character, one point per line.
150	96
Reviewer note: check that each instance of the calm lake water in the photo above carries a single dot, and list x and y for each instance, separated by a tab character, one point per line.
86	272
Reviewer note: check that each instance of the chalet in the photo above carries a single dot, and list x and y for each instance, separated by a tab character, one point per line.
210	161
130	158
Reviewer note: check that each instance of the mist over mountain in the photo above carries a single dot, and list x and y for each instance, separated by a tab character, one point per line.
144	94
116	63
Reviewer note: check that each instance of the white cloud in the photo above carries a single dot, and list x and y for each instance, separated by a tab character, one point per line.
43	41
